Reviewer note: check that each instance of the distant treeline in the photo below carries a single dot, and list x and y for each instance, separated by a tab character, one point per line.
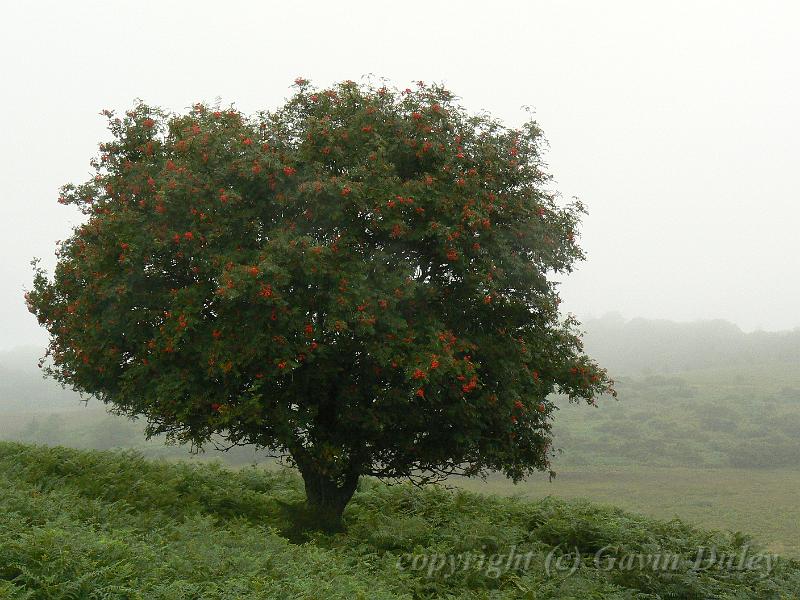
643	346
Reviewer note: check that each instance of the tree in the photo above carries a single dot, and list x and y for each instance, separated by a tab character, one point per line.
360	279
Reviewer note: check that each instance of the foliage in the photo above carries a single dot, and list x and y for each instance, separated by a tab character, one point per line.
360	278
82	524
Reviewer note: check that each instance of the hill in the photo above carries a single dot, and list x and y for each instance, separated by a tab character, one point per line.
79	524
651	346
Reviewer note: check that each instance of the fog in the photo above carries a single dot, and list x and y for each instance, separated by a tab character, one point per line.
675	123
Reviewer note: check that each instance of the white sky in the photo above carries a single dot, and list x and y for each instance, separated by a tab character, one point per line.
675	122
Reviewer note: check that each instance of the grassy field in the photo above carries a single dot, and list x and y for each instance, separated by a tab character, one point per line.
717	447
761	503
78	524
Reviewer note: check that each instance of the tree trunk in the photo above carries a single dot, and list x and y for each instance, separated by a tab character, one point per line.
326	498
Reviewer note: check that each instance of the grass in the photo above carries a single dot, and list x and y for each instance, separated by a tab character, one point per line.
762	502
80	524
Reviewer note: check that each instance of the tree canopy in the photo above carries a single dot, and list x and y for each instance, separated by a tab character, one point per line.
361	278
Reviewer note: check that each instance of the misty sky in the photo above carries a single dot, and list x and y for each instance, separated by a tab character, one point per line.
675	123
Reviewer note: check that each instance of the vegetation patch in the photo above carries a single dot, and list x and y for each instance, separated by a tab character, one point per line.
79	524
